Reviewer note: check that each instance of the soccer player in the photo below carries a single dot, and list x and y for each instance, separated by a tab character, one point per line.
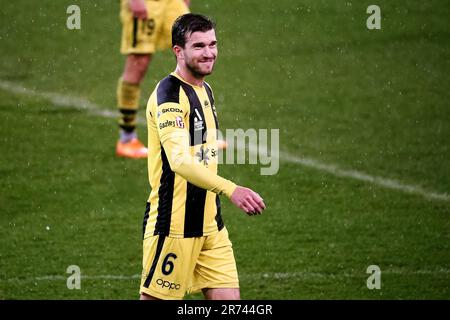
186	246
146	26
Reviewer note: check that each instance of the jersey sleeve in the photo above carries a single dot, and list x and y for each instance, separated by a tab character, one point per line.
174	137
170	120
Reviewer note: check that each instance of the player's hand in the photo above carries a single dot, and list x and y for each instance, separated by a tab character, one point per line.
247	200
138	9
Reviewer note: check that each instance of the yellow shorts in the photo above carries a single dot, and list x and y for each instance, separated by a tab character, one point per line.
155	33
175	266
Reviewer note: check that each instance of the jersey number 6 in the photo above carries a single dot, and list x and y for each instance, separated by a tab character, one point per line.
167	266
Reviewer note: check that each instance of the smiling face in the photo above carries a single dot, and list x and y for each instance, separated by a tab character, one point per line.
199	53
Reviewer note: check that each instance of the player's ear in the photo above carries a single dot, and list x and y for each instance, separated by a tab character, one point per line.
178	51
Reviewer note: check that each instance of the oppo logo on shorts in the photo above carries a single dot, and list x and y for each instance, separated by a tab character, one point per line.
167	284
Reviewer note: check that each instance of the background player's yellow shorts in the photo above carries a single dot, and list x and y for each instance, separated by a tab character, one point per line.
174	266
146	36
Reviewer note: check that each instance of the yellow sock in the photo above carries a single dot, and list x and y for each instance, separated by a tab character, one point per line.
128	95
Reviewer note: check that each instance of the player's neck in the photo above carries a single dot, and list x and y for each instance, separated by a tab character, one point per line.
189	77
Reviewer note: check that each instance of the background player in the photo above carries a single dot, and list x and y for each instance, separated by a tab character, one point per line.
146	27
186	246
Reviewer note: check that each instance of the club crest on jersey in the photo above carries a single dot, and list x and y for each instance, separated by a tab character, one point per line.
178	110
179	122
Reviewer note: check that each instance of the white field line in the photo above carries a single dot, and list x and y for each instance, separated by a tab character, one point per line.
81	103
249	277
353	174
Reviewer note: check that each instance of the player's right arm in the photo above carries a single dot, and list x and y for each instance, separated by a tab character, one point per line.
174	138
138	8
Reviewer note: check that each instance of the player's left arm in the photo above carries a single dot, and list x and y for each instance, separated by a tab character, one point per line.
188	2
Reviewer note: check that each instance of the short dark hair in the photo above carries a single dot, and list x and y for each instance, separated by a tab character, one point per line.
187	24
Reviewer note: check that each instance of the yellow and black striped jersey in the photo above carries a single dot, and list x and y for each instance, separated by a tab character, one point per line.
182	161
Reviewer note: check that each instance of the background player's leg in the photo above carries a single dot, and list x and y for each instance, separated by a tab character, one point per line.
128	95
222	294
136	67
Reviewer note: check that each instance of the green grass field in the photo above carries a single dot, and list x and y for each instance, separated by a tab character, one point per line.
359	101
